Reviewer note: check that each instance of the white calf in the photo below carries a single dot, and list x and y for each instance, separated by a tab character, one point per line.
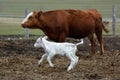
53	48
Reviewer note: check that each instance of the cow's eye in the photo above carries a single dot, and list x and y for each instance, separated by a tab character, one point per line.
30	17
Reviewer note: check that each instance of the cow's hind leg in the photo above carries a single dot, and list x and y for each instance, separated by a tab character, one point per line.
92	40
100	40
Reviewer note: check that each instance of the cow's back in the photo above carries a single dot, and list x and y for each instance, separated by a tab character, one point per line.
81	23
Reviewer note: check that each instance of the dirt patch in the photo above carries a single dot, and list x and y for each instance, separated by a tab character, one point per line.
18	61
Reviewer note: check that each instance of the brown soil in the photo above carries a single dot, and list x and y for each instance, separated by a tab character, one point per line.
18	61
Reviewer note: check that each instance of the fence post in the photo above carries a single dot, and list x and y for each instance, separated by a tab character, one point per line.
114	20
27	31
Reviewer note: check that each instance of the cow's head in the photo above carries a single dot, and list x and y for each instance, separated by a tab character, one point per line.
32	20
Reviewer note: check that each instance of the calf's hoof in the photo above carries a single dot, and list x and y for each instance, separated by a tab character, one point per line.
51	65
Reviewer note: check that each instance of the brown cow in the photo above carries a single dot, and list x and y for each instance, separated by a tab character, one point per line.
59	24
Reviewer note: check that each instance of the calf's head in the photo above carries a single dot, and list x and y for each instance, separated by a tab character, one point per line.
32	20
38	43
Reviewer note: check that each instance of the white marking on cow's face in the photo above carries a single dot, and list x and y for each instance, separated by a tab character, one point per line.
26	18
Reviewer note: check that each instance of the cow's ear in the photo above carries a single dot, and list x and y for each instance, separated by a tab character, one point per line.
34	12
39	14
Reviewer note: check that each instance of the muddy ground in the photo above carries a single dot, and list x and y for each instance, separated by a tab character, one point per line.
18	61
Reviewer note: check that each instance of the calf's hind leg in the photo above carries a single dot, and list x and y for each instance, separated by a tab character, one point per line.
73	61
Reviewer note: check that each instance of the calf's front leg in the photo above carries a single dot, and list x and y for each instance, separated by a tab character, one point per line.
43	58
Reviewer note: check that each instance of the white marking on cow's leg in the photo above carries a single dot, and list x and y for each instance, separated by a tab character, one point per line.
26	18
43	57
49	59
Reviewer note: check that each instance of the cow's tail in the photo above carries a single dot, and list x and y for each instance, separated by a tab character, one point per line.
104	28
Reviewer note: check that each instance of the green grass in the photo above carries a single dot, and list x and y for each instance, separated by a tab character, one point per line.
16	29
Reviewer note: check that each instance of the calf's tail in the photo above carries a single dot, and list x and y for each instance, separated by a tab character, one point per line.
80	42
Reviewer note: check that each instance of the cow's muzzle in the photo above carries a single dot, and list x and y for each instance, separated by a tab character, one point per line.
23	25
